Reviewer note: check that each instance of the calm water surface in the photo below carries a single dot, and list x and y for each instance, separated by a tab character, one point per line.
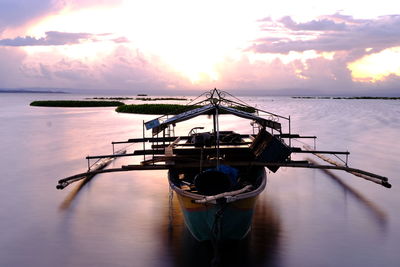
303	218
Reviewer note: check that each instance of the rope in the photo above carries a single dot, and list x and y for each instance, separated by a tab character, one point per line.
196	99
217	233
226	195
170	214
237	99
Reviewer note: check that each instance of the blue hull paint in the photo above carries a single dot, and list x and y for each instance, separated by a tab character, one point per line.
235	222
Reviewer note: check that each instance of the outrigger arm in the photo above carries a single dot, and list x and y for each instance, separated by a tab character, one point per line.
381	180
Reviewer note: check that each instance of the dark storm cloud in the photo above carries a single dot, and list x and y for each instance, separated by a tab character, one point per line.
331	33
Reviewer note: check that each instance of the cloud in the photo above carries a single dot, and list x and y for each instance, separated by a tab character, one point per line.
329	34
51	38
314	25
121	39
59	38
132	71
78	4
337	17
346	38
311	76
14	13
123	68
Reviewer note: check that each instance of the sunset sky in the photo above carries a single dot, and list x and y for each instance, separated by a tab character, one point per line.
170	47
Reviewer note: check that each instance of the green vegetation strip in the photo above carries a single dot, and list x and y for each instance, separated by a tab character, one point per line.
159	109
350	97
160	98
75	103
139	98
112	98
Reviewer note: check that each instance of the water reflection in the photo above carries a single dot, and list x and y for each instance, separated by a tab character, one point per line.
376	213
260	248
72	195
122	219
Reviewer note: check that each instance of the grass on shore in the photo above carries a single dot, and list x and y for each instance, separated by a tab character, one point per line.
139	98
75	103
160	98
112	98
159	109
154	109
151	109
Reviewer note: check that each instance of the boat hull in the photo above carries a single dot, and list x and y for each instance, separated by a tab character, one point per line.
235	220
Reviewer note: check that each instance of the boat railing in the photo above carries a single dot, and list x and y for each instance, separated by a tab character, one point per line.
229	196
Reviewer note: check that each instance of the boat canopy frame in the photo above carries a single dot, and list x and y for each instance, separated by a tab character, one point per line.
214	103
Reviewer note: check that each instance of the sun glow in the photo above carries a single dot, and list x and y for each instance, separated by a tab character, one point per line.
376	67
191	42
82	21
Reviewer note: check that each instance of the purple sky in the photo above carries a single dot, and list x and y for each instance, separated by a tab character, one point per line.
175	47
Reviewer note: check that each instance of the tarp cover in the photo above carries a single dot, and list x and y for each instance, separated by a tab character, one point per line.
263	122
207	109
182	117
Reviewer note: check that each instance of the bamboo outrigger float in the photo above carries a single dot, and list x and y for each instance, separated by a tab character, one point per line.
217	175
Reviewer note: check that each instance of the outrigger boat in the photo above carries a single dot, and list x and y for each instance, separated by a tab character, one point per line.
218	175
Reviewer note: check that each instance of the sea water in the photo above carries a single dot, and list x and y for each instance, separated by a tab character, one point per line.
305	217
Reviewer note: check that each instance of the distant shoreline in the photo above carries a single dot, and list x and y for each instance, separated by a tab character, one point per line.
75	103
348	97
31	91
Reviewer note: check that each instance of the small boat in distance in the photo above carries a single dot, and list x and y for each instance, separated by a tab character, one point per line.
218	175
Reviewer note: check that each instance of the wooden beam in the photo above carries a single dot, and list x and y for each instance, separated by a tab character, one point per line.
150	139
83	175
161	139
192	145
207	164
111	156
287	135
299	150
